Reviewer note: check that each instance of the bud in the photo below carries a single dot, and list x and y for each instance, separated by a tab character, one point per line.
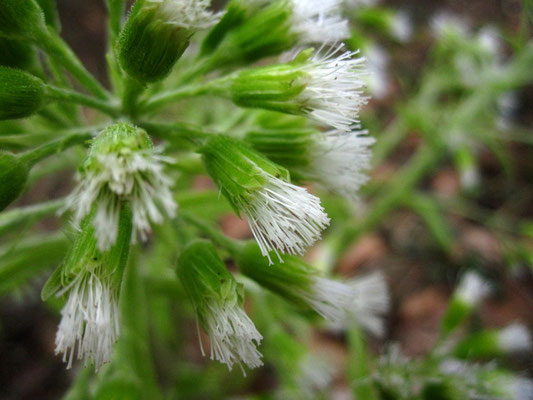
471	291
512	339
16	53
283	217
91	279
50	13
338	160
363	299
20	18
157	33
218	301
21	94
280	26
122	165
323	87
13	175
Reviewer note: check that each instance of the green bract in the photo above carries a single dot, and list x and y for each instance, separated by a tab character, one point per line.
13	177
21	94
16	53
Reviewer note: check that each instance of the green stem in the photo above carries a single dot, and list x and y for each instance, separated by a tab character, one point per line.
172	96
71	96
132	90
218	237
116	9
35	155
19	217
56	48
359	372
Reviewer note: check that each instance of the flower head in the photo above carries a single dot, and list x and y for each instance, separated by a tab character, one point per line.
472	289
122	166
283	217
218	300
515	338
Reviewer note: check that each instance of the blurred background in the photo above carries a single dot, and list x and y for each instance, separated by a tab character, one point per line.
451	187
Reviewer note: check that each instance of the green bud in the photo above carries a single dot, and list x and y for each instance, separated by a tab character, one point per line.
16	53
442	390
479	345
456	313
20	18
155	37
237	170
218	300
21	94
13	177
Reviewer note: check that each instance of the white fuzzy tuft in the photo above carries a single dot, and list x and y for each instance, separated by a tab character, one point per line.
340	161
514	338
472	289
401	27
188	14
134	176
371	302
519	388
284	217
319	21
89	321
333	92
232	335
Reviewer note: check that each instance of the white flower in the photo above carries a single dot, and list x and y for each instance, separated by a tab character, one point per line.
472	289
89	320
377	61
340	161
443	24
284	217
319	21
232	335
401	27
188	14
514	338
517	388
333	91
136	176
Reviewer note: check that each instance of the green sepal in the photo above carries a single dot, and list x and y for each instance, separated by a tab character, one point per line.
238	170
148	47
13	177
280	278
21	94
20	18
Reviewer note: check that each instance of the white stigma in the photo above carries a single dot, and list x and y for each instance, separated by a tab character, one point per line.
340	161
514	338
188	14
136	176
333	92
472	289
89	321
319	21
284	218
232	335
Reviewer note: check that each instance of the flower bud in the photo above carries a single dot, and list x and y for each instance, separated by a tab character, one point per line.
13	177
364	300
218	301
283	217
20	18
16	53
21	94
122	165
323	87
157	33
92	280
50	13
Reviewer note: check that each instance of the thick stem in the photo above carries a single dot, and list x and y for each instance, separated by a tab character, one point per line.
177	131
172	96
132	90
70	96
56	48
20	217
